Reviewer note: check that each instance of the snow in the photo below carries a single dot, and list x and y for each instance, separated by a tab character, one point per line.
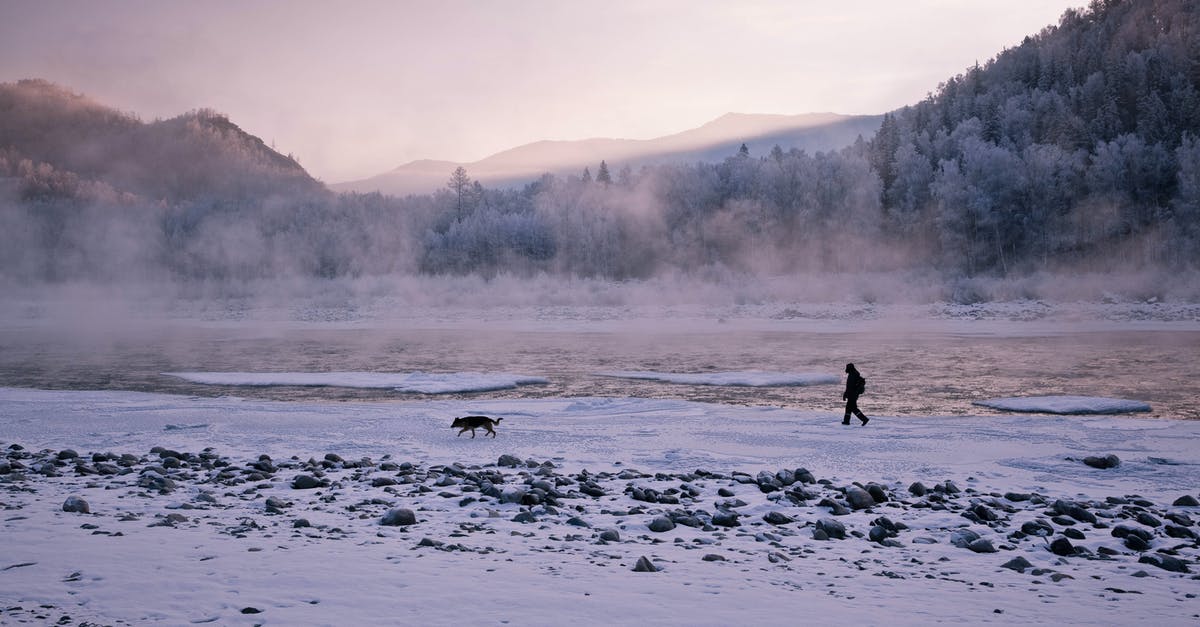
228	552
745	379
1066	405
412	382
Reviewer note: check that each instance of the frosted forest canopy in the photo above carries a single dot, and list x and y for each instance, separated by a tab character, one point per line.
1080	147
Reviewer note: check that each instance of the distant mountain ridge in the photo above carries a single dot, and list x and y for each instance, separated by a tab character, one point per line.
712	141
77	140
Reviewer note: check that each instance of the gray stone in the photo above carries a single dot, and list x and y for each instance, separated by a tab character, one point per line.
982	545
610	535
832	528
918	489
661	524
399	517
644	565
713	557
777	518
877	492
1136	543
1063	547
1018	564
1165	562
1102	462
76	505
1186	500
511	461
859	498
962	538
306	482
725	518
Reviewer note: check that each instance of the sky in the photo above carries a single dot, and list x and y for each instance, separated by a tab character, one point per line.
357	87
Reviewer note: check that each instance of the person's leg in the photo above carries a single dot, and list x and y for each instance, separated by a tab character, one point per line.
851	407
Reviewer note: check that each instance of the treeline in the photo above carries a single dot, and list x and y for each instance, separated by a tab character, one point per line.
1081	146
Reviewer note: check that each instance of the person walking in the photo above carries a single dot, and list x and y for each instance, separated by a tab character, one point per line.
855	386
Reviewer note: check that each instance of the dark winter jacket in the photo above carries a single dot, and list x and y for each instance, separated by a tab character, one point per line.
855	384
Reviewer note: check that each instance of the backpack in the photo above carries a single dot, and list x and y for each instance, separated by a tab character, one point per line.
861	385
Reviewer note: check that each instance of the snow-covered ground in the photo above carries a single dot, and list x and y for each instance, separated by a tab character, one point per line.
1066	405
545	523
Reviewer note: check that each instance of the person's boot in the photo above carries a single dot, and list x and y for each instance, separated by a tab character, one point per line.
865	420
846	420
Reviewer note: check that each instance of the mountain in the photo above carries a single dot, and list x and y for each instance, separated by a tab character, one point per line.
711	142
64	138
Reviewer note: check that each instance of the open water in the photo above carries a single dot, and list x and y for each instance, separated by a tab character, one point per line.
924	373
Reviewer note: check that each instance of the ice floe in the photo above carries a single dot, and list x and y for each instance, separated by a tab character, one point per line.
741	379
1066	405
412	382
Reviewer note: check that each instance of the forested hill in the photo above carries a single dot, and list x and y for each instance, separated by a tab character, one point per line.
78	143
1082	139
1078	149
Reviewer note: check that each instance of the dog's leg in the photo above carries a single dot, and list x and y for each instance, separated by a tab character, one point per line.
472	434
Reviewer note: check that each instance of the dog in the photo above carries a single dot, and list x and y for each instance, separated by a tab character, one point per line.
475	422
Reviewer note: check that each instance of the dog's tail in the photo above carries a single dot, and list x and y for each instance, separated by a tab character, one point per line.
498	420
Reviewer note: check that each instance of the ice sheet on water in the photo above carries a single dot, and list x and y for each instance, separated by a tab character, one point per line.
748	378
1066	405
413	382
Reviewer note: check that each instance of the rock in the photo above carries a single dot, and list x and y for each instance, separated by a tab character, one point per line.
610	535
1102	462
251	610
819	534
306	482
1186	500
1062	546
982	545
399	517
725	518
525	517
76	505
1135	542
832	528
877	492
301	523
918	489
276	505
835	508
644	565
1074	533
859	498
1018	564
510	461
661	524
66	454
984	513
804	476
1165	562
777	518
1148	520
878	534
1074	510
1175	531
333	458
382	482
1017	497
713	557
576	521
726	493
962	538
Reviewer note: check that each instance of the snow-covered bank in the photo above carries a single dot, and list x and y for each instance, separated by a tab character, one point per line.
510	529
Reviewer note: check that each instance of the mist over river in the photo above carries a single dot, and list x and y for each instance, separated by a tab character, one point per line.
924	370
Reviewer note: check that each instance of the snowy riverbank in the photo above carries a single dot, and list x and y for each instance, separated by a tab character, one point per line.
520	528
